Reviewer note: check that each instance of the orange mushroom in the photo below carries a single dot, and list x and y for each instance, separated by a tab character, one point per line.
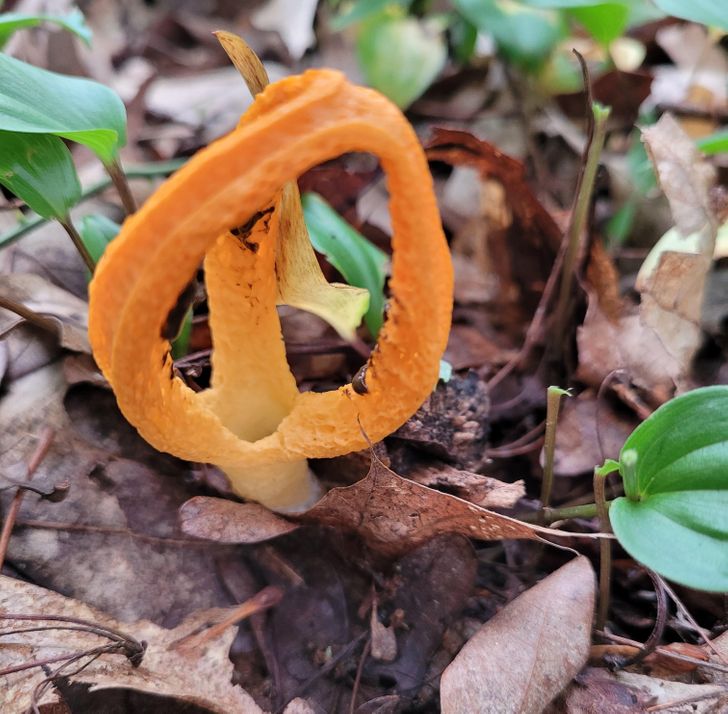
252	422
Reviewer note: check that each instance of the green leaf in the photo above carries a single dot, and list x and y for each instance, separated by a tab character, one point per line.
608	467
96	233
525	35
674	518
180	345
360	262
73	21
364	10
463	37
604	23
709	12
715	143
34	100
39	169
401	56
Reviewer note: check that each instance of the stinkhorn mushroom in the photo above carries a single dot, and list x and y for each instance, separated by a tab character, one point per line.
224	206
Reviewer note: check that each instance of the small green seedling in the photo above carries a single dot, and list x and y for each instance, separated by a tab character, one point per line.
673	517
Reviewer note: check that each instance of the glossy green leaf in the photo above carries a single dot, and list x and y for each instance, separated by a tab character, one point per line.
709	12
525	35
73	21
674	518
96	233
39	169
715	143
401	56
360	262
34	100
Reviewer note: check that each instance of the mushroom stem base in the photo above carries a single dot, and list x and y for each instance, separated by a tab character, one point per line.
287	487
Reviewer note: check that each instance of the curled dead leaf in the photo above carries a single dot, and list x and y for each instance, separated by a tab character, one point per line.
30	297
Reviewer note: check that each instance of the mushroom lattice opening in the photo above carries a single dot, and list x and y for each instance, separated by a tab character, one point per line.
236	179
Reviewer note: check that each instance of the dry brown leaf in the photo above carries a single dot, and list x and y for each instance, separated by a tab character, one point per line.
527	653
124	491
656	342
231	522
519	239
44	304
202	677
677	697
393	514
484	491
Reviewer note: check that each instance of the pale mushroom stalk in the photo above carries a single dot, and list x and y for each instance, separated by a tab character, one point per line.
252	386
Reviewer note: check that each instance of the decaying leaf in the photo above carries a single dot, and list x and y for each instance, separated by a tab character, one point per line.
526	654
484	491
201	676
113	542
43	303
227	521
656	342
393	514
520	227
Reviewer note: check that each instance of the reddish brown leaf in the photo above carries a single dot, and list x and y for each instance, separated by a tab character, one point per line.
393	514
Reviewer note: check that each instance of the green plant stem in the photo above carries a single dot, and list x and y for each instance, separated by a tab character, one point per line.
80	247
119	179
605	550
144	171
579	215
588	510
553	402
550	515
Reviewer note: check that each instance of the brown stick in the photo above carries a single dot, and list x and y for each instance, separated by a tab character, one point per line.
44	443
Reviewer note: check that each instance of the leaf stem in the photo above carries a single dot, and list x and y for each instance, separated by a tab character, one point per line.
605	549
553	402
78	242
118	178
143	171
579	214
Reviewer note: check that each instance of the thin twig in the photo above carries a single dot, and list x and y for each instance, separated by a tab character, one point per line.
41	450
605	551
359	671
111	530
696	627
675	703
346	652
662	651
263	600
653	640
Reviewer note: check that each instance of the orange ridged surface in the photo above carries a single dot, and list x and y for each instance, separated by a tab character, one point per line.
292	126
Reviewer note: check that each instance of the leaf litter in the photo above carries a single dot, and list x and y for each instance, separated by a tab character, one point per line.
384	580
